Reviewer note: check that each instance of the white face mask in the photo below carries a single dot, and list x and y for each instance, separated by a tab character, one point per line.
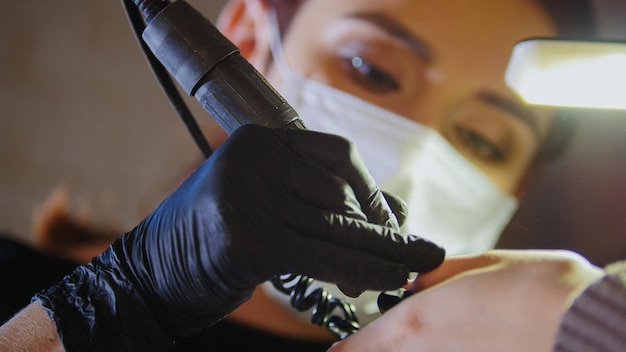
450	201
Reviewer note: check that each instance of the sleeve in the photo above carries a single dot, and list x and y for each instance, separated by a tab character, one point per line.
596	321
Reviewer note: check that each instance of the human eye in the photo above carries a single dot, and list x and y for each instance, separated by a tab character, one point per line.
480	145
482	132
369	75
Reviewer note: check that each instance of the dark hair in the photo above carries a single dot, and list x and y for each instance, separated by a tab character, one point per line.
574	19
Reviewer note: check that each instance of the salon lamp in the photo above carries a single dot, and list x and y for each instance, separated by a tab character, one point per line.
569	73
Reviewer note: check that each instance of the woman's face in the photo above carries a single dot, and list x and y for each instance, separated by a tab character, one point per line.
439	63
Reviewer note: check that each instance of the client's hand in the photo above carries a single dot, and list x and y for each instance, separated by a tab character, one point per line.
497	301
267	202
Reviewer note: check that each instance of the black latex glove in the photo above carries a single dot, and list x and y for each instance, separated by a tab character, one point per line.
267	202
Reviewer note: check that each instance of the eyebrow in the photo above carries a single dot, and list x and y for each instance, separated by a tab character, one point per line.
398	31
518	110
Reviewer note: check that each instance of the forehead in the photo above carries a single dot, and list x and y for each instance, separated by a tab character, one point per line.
516	12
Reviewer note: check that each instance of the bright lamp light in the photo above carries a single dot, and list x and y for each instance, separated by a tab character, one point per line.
585	74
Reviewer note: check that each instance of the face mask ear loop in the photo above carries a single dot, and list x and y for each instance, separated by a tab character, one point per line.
276	46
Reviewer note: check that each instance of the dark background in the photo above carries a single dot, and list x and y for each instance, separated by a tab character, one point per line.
580	202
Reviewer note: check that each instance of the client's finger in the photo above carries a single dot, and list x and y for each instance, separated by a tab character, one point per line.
451	267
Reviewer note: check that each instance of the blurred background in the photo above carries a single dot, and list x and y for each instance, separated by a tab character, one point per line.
79	107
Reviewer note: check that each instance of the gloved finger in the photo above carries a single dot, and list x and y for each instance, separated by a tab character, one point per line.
398	206
416	253
339	156
345	266
323	190
351	291
379	212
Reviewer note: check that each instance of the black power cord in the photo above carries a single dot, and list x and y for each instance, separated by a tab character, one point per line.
324	305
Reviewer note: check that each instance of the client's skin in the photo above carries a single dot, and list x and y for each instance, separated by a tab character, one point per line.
496	301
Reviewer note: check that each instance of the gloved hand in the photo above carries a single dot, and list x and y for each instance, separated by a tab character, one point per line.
267	202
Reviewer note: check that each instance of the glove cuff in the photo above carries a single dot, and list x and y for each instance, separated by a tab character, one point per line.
97	309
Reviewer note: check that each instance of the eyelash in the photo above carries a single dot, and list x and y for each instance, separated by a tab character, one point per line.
481	146
370	76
